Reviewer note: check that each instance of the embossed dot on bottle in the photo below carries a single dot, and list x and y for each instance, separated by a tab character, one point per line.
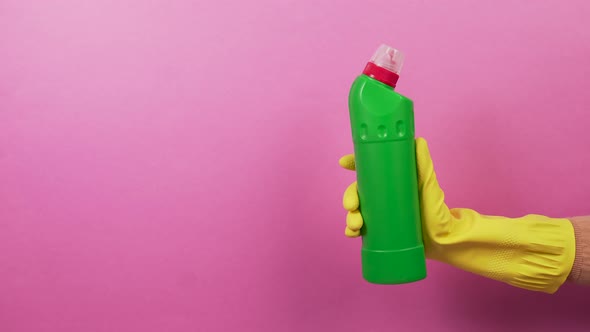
382	131
400	128
364	132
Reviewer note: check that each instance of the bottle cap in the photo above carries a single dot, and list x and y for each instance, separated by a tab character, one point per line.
385	65
389	58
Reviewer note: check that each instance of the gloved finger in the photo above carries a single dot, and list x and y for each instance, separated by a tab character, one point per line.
354	220
350	233
348	162
432	198
350	201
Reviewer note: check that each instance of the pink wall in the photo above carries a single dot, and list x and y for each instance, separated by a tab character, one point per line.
172	165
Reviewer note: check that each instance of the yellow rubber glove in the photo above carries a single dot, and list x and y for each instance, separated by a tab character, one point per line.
532	252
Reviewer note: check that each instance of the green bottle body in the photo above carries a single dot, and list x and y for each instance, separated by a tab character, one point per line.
382	123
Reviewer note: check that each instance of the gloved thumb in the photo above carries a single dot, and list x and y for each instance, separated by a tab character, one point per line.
435	213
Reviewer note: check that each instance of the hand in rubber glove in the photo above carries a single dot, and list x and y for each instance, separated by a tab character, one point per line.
532	252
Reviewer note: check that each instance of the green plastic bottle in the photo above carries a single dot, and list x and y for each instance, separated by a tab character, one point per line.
382	123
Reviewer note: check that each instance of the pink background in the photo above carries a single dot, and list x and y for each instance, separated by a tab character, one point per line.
172	165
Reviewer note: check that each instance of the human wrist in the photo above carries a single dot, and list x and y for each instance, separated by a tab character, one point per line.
580	273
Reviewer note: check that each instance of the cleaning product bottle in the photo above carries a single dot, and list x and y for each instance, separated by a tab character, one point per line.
382	123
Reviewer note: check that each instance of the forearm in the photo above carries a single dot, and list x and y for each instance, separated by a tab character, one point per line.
580	273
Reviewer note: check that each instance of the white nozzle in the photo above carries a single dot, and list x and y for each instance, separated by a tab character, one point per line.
388	58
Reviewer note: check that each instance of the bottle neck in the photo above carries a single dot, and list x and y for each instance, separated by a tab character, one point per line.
381	74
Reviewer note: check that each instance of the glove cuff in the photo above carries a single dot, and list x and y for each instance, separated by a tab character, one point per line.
548	256
532	252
